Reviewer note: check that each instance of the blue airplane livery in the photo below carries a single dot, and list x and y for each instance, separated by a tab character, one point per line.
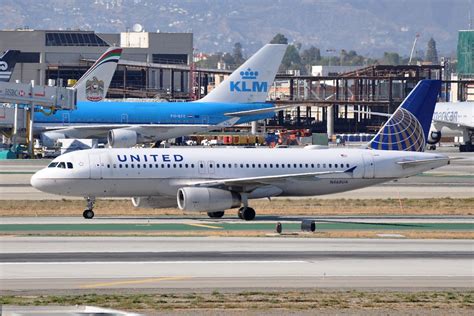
238	99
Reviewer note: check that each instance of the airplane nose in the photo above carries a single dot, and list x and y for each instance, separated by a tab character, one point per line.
39	182
34	181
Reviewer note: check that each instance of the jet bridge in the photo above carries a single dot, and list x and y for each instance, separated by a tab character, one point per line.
21	100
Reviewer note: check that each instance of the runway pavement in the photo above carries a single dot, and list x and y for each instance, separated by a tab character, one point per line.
48	264
455	180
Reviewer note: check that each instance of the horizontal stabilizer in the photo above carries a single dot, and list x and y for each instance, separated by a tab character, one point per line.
415	163
259	111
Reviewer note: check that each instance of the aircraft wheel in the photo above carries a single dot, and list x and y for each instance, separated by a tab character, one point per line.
88	214
246	213
215	214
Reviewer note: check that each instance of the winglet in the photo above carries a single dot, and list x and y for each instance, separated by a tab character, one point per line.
251	82
94	84
407	129
7	63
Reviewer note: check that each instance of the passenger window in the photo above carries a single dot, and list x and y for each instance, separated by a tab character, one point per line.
319	165
301	165
181	165
126	165
151	165
347	165
306	165
264	165
138	165
289	165
120	165
294	165
115	166
335	165
201	165
324	165
253	165
186	165
217	165
192	165
247	165
52	165
162	166
69	165
330	165
277	165
241	165
271	165
174	165
168	165
229	165
312	165
132	165
259	165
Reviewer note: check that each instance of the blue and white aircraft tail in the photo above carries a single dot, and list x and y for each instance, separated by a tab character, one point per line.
408	127
7	63
251	82
93	85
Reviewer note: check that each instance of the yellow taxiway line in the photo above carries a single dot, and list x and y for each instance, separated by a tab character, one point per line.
142	281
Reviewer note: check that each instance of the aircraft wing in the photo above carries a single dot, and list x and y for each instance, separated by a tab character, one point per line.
259	111
165	131
452	125
254	182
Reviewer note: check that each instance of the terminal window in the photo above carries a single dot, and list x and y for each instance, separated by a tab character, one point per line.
74	39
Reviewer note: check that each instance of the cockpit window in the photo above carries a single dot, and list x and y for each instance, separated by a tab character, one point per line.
62	165
69	165
52	165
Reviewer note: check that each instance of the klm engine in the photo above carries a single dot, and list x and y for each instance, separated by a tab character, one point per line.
122	138
207	199
153	202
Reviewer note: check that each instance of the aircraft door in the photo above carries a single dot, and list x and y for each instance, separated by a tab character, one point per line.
65	118
95	167
211	167
202	167
369	169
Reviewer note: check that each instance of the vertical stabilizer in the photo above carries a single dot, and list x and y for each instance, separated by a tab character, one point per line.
7	63
251	81
94	84
408	127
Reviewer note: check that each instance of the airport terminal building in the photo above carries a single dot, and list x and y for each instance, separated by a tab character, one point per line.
51	54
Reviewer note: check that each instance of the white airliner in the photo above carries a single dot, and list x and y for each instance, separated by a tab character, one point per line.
452	119
214	180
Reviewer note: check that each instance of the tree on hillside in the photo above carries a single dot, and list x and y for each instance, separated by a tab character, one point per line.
431	52
237	54
292	59
279	39
310	56
391	59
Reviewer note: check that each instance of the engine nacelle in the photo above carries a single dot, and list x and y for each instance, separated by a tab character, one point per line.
153	202
207	199
49	139
434	137
122	138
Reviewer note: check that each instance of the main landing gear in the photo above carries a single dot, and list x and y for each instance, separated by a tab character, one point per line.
215	214
88	212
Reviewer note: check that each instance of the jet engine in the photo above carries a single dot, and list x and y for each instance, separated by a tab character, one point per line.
49	139
153	202
122	138
207	199
434	137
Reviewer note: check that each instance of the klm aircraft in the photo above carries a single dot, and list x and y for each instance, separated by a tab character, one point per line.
7	64
238	99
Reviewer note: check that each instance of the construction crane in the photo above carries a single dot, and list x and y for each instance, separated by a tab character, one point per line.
413	48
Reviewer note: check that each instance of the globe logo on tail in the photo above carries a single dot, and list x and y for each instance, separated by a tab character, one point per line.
402	132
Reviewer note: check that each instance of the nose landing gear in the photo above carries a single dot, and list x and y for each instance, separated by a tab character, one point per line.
88	212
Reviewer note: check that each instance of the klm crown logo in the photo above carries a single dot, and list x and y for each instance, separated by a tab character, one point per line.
245	85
